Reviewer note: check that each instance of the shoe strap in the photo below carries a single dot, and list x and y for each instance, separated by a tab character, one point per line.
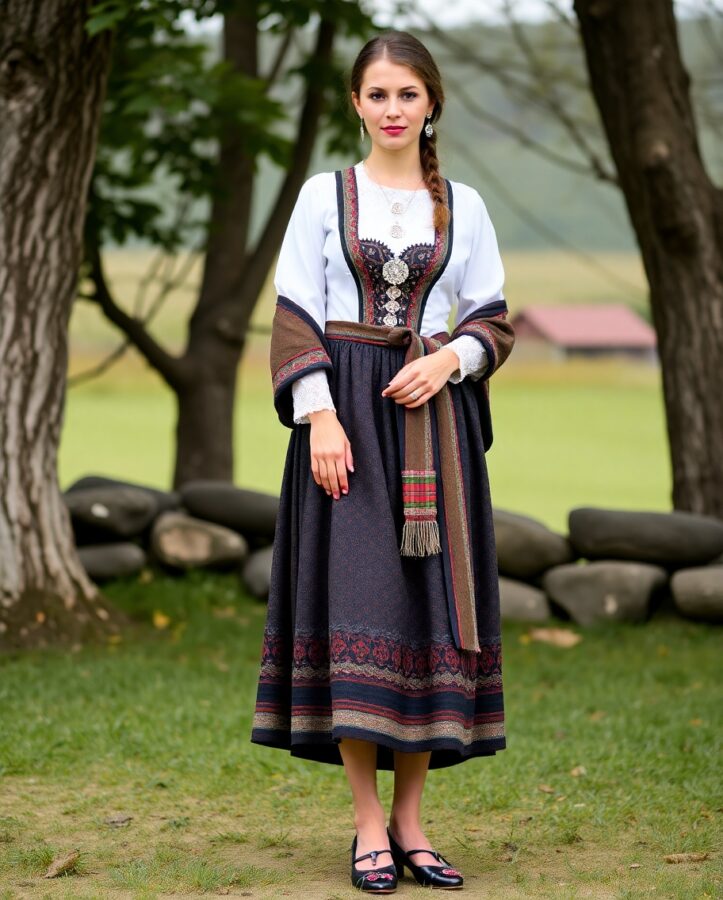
373	854
434	854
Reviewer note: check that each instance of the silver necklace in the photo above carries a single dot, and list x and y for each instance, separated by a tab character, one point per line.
395	206
394	271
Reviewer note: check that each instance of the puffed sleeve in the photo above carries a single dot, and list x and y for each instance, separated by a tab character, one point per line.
484	274
299	354
300	268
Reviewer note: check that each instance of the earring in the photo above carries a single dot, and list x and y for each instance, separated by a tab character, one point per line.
361	130
428	130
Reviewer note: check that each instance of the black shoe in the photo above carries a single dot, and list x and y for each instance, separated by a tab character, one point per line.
380	881
443	876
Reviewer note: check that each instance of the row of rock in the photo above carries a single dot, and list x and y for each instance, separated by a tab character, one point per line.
119	528
612	564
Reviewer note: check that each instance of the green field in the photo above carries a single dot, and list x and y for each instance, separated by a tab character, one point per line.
566	434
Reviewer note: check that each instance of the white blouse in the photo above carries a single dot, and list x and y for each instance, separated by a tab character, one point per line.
313	272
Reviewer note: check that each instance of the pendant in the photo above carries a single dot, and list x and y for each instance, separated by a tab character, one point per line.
397	209
393	292
395	271
392	306
396	230
389	319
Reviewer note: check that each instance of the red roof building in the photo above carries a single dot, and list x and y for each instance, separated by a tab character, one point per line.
583	329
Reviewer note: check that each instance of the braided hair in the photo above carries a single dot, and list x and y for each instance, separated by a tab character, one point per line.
406	50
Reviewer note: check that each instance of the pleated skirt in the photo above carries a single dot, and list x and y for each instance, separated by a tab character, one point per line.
357	641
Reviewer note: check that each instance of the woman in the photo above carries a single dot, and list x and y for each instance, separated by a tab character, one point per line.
382	640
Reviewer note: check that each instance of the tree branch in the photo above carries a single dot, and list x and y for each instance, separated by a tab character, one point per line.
526	141
260	259
168	366
281	51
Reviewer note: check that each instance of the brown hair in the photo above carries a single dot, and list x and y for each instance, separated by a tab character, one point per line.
404	49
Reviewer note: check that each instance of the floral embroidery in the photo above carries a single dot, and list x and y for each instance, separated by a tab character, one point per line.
384	653
366	258
373	876
296	364
450	872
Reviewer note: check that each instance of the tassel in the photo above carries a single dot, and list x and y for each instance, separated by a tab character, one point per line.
420	538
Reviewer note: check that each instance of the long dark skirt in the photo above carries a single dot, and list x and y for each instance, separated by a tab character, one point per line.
358	640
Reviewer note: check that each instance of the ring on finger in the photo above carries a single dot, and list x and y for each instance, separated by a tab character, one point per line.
414	394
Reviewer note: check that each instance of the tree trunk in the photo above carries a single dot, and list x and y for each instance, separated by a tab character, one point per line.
234	274
52	79
641	89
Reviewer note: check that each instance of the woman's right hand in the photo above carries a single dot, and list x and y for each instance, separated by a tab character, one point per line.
330	452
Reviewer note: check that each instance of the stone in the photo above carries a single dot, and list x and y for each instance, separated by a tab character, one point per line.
526	547
520	602
257	572
698	592
102	514
605	590
182	542
165	500
251	513
670	539
103	562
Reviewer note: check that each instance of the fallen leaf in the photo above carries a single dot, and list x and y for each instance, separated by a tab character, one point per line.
695	722
62	864
545	788
525	639
558	637
561	797
160	620
634	865
577	771
597	715
685	857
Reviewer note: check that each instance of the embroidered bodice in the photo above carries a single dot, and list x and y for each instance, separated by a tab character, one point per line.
338	242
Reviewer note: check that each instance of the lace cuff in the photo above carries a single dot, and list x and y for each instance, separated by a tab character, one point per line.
310	394
472	358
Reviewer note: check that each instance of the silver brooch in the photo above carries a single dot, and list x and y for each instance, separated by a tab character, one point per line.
395	270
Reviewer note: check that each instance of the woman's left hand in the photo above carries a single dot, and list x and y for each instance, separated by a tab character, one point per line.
424	377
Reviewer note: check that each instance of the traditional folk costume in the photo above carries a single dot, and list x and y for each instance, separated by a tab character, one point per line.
383	618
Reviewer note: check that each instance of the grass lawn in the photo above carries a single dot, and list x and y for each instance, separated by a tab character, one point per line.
156	727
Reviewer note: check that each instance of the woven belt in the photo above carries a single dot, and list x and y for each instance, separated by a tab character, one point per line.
421	534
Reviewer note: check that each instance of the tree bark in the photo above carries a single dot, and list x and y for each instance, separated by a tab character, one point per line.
52	79
641	89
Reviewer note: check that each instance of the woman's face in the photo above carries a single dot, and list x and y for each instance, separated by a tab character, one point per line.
393	101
